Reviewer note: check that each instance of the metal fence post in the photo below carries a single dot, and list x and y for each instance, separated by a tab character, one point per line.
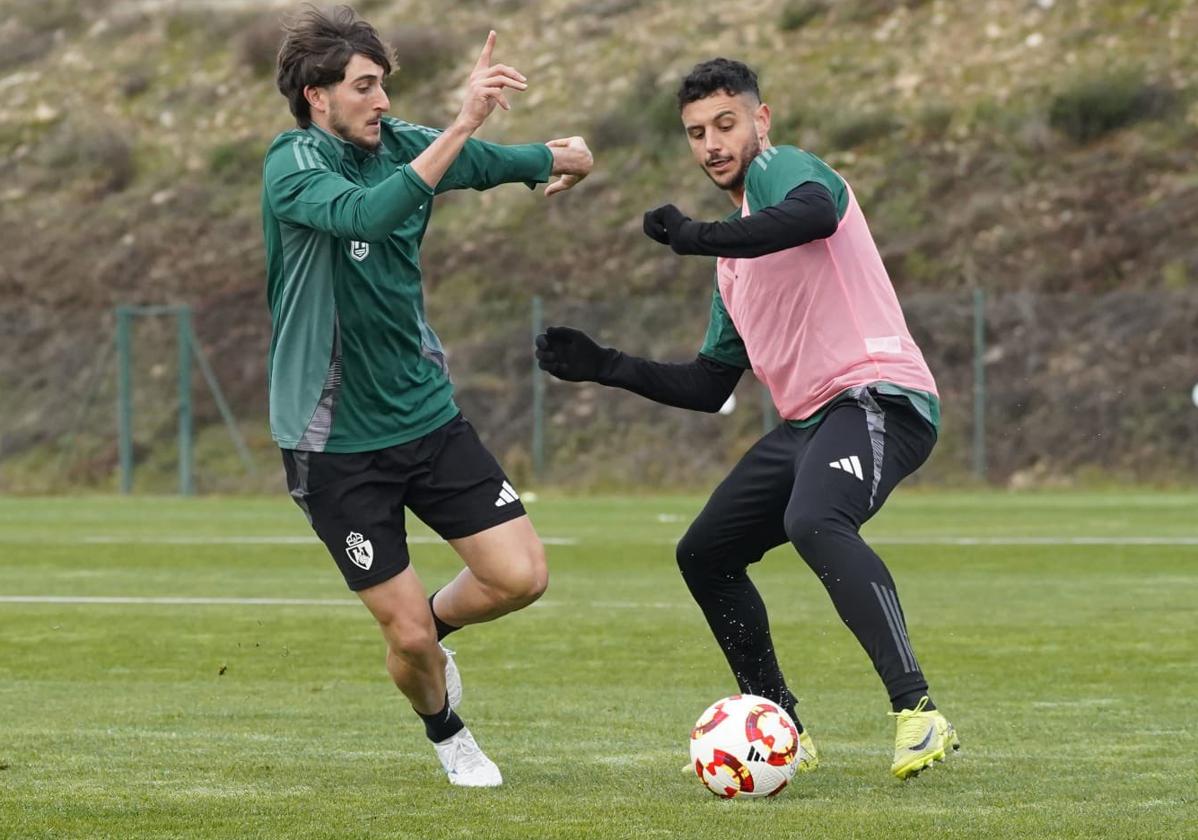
979	384
124	400
538	396
183	319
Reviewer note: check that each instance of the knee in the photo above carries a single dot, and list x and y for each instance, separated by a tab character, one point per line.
536	575
686	555
693	558
409	640
525	579
808	528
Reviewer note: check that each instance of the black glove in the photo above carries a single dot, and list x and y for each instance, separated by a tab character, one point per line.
572	355
663	224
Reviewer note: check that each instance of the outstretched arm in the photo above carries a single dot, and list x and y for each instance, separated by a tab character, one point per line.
572	355
303	189
484	91
807	213
482	165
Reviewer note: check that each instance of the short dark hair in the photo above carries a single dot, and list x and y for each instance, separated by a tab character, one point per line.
715	75
315	50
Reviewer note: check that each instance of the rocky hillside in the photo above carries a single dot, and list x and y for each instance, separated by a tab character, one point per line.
1018	146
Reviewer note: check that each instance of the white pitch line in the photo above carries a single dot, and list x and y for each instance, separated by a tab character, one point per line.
417	539
212	540
1014	541
104	599
167	600
421	539
1033	540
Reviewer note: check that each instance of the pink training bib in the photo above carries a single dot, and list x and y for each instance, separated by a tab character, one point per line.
820	318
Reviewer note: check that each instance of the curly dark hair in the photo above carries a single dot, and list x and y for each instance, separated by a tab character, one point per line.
715	75
315	50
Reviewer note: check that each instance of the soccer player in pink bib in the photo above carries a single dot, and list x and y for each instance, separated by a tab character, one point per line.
803	299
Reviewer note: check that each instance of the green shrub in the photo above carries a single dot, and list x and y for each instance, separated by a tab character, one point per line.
934	119
110	159
258	45
183	24
1093	106
134	84
920	269
19	44
94	158
861	11
856	128
196	21
798	13
421	53
237	161
647	115
611	8
52	15
28	30
1175	274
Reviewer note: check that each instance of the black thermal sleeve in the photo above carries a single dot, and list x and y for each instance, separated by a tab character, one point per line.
807	213
701	385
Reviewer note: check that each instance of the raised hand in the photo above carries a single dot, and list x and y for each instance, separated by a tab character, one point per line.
486	86
571	354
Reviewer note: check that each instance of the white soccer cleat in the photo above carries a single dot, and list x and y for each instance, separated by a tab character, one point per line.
453	679
465	763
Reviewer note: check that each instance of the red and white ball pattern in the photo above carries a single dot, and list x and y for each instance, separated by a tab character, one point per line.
744	746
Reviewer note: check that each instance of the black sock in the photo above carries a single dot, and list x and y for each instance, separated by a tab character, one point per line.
910	700
442	725
443	629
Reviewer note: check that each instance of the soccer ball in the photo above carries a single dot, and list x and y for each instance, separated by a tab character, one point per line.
744	746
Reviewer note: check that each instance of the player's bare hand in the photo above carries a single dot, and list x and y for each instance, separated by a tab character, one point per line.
572	161
486	88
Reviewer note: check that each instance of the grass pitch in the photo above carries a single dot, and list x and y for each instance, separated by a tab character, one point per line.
1058	631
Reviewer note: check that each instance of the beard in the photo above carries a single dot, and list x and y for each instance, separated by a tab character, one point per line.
345	132
736	180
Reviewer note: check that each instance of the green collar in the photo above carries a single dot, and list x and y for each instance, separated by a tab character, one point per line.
346	148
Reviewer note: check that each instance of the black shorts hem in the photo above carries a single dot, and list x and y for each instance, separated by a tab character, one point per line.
513	510
382	576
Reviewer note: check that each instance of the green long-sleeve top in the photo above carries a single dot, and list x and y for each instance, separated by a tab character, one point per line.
354	365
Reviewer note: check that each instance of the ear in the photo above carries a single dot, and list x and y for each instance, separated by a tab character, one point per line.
318	98
761	121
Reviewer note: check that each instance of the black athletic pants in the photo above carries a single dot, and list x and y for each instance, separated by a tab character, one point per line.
812	487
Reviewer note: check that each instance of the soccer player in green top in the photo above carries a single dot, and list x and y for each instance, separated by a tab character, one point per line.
802	298
360	397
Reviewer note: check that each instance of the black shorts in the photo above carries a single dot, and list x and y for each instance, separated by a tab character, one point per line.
841	469
355	501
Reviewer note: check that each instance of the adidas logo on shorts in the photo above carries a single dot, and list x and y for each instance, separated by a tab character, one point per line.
507	495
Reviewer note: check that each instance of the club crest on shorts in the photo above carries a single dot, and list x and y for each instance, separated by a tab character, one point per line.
360	551
358	250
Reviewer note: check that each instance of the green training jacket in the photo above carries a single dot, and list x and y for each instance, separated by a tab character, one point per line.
354	365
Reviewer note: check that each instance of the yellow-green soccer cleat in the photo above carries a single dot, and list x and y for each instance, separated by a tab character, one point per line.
922	739
808	757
